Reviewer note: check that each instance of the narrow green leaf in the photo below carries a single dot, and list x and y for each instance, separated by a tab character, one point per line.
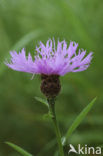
42	101
18	149
79	118
47	116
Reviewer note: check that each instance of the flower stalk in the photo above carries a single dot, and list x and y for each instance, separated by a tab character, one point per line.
51	102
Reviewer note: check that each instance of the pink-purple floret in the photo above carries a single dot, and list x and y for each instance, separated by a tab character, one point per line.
51	60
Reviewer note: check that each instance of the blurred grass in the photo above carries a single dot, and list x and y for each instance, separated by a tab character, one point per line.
23	24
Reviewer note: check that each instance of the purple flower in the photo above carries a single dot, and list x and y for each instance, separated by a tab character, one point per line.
50	60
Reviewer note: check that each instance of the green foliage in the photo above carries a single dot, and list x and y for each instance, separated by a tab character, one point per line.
43	101
79	119
18	149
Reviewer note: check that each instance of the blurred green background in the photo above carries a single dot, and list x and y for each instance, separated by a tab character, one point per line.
23	23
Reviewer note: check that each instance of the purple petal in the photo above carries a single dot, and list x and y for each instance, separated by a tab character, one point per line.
51	59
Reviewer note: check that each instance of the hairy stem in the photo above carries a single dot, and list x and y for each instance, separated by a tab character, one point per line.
57	131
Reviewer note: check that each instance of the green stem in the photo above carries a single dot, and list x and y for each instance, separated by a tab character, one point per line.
53	116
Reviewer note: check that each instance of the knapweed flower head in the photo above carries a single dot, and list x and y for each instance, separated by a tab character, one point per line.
51	61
